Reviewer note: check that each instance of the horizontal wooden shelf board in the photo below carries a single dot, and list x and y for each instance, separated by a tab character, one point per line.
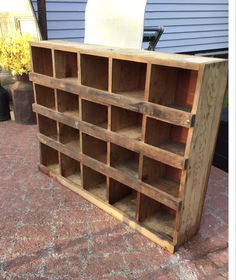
175	60
137	94
152	192
160	112
168	186
174	147
156	153
129	167
74	145
163	241
133	132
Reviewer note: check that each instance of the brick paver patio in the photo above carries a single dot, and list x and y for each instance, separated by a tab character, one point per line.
48	232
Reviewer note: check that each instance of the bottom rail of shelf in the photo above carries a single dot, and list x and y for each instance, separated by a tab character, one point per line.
166	244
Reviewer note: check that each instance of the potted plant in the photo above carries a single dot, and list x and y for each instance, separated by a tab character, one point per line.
15	57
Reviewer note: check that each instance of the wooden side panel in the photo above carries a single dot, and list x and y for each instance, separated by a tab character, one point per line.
202	148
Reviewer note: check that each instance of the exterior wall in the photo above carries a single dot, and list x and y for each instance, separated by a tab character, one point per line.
189	25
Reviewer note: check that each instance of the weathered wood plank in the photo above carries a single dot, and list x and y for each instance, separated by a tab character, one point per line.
208	108
174	60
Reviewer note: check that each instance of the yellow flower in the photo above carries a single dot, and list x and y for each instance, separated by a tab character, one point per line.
15	53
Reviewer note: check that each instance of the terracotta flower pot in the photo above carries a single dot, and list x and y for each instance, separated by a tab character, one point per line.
23	98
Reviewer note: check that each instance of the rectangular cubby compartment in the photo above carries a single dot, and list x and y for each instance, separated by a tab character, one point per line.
68	103
94	113
129	78
94	182
70	169
166	136
156	217
173	87
48	127
45	96
94	71
126	122
161	176
124	160
69	136
49	158
66	65
94	147
122	197
42	61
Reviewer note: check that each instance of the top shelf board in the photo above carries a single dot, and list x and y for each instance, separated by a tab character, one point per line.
154	57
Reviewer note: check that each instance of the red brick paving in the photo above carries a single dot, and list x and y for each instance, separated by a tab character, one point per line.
48	232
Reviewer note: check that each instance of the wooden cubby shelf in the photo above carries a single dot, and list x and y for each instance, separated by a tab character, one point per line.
66	65
131	131
68	103
69	136
70	169
156	216
94	147
173	87
45	96
126	122
166	136
49	158
95	113
122	197
48	127
124	160
134	86
94	182
161	176
42	60
94	71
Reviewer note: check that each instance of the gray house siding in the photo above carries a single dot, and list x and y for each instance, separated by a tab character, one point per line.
190	26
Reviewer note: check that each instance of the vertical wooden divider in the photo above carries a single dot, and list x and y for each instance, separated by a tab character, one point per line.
56	107
109	127
80	118
37	119
143	132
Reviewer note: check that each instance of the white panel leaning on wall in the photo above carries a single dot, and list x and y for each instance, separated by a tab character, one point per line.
115	23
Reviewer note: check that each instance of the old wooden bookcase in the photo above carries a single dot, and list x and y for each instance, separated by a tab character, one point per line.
131	131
